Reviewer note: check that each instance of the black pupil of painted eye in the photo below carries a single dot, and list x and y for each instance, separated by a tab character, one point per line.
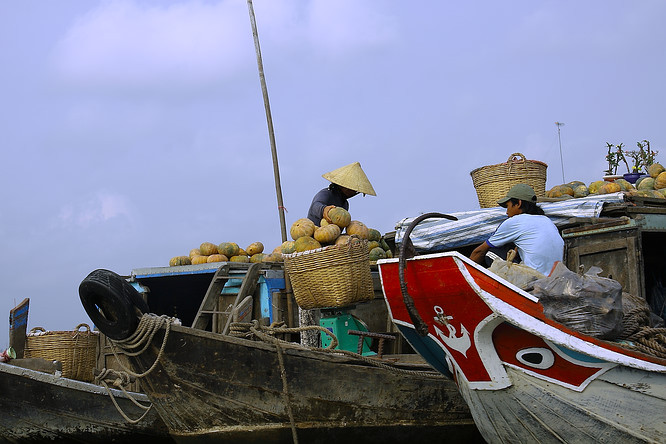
534	358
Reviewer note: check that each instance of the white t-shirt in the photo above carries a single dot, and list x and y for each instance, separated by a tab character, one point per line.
537	239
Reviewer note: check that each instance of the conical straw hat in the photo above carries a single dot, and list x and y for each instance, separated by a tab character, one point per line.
351	176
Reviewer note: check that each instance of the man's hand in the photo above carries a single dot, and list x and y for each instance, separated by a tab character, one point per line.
325	213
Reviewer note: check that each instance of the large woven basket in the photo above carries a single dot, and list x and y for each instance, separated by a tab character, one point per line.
76	350
332	276
492	182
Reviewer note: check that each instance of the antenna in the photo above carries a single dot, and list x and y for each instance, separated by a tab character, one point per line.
560	124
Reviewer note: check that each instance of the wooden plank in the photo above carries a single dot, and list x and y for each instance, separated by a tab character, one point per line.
18	323
247	288
209	302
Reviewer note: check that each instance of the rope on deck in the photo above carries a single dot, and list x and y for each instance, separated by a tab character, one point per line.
119	380
273	329
646	339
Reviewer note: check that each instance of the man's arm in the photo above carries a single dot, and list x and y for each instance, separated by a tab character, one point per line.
479	253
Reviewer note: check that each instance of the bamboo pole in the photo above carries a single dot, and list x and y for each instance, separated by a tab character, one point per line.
276	168
269	119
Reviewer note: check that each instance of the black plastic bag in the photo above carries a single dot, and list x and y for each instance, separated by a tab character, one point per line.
586	303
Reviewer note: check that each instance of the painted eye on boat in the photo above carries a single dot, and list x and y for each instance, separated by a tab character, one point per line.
537	357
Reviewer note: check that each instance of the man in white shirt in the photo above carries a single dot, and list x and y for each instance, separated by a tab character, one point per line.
537	239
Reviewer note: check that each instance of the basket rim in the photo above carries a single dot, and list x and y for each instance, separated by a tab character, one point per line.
506	163
346	246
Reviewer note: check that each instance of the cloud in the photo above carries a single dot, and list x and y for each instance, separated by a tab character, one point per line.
127	44
102	207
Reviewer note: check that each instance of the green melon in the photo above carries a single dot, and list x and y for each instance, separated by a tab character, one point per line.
377	253
229	249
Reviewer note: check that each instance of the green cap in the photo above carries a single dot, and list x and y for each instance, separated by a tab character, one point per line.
520	191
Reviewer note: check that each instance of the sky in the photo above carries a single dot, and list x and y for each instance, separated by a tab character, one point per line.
132	131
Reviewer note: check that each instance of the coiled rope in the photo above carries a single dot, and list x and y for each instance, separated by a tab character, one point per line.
141	338
636	328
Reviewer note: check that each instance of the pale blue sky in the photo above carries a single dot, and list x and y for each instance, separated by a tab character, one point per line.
133	131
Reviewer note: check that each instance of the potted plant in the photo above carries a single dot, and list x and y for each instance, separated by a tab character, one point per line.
641	159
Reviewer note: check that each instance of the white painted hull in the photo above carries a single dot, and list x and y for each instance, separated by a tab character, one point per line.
533	410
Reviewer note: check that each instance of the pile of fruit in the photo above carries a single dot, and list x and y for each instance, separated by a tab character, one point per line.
652	186
307	236
226	252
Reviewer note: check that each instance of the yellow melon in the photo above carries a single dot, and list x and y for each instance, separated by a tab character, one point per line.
581	191
240	258
373	244
357	228
343	239
660	181
339	216
327	234
609	187
305	243
228	249
273	257
199	260
208	248
195	252
179	260
302	227
288	247
655	169
255	248
257	257
217	258
594	186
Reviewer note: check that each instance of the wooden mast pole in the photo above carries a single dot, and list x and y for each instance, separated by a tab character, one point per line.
269	119
276	168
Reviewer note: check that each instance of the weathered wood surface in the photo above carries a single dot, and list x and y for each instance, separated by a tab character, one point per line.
38	407
533	410
212	386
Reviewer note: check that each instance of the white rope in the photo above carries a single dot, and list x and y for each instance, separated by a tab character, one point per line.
142	338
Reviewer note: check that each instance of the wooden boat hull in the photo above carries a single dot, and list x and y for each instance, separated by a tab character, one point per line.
211	387
40	407
525	377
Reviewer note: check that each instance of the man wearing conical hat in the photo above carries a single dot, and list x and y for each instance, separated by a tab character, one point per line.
346	182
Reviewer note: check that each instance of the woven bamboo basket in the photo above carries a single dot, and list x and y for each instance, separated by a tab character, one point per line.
76	350
492	182
332	276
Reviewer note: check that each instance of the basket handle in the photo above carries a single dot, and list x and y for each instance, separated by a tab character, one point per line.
36	329
516	157
78	327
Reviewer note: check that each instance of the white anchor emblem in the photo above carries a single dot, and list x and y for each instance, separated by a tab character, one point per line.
460	343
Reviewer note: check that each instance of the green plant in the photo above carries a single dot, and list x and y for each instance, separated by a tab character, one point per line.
613	157
641	158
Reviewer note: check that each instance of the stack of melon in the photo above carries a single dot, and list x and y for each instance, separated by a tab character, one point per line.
652	186
227	252
307	236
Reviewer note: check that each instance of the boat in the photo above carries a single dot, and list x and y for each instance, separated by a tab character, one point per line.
38	407
525	376
211	386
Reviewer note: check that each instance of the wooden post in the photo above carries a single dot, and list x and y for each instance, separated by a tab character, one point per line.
18	323
269	120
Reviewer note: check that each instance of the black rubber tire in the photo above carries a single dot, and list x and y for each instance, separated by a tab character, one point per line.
109	301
